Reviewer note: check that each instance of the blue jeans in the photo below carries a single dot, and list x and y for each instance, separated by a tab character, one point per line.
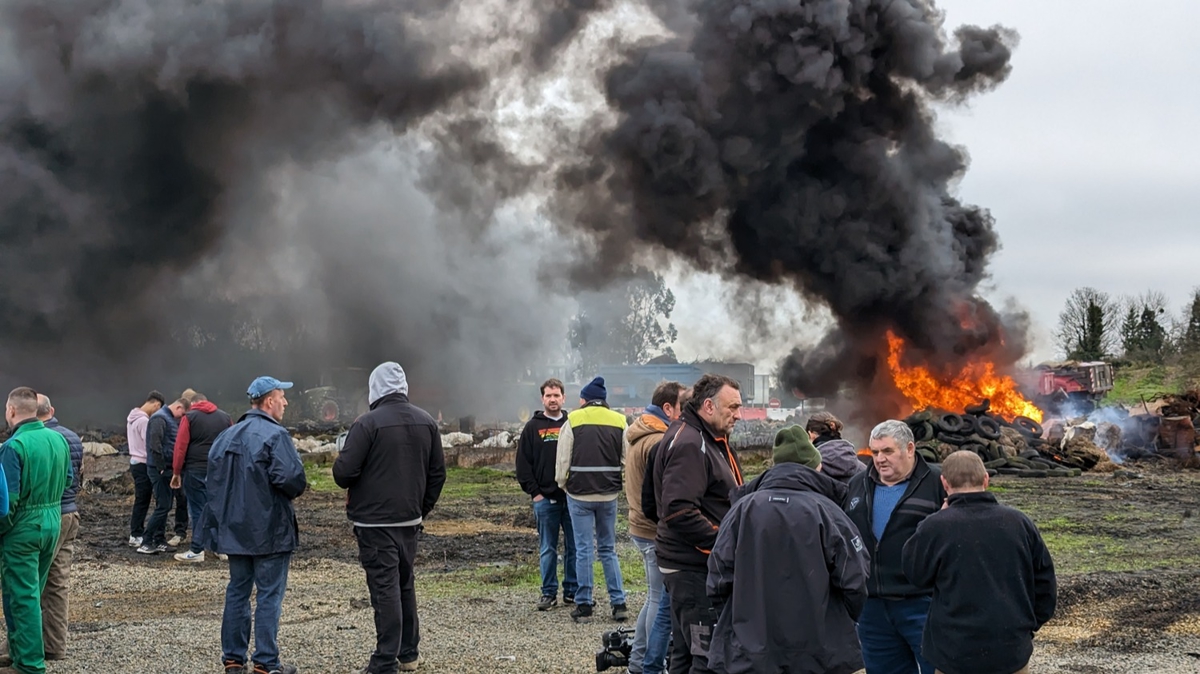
658	646
197	498
552	516
595	523
269	574
649	642
890	633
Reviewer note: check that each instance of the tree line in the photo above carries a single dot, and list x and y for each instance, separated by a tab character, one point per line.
1141	329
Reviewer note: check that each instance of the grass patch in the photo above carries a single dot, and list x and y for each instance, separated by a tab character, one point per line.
1131	385
320	478
469	483
489	577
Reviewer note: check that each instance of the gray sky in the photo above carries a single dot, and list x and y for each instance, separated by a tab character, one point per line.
1088	156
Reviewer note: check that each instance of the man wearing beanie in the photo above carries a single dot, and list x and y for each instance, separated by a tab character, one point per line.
773	619
588	468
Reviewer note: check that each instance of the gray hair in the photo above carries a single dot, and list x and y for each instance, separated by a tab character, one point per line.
897	430
44	407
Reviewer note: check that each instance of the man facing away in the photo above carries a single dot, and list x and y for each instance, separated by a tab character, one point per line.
649	652
393	466
198	430
537	451
55	604
254	473
839	458
160	447
990	572
887	502
775	620
37	469
588	467
135	434
694	472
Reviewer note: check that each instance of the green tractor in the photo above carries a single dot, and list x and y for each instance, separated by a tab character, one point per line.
340	399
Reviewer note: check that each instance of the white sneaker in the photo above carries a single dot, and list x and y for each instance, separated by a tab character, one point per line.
189	556
223	558
175	541
135	541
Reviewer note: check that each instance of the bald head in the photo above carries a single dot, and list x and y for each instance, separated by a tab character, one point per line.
44	409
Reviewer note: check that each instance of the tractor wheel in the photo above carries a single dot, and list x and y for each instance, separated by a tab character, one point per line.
328	411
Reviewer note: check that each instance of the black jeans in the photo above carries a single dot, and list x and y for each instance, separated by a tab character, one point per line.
160	480
142	491
181	512
693	617
387	556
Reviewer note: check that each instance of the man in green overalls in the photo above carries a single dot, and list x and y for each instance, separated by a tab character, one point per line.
37	468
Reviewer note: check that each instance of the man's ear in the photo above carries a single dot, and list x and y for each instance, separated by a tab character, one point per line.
987	479
946	485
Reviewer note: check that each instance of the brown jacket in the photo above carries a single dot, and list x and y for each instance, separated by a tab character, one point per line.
640	438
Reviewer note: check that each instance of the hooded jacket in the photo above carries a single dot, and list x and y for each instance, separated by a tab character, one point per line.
694	473
922	497
791	570
641	436
993	585
537	451
839	458
68	504
254	473
135	434
392	460
198	429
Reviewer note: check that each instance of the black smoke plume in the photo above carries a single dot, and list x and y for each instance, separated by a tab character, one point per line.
793	142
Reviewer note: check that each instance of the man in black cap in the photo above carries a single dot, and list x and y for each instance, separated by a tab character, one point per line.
590	456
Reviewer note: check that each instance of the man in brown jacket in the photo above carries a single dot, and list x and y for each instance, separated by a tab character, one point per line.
641	436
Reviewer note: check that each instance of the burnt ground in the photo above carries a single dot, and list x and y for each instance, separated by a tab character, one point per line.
1126	546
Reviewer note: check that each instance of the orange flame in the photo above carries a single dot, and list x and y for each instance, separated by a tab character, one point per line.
976	381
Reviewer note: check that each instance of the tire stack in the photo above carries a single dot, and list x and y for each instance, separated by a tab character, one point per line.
1007	447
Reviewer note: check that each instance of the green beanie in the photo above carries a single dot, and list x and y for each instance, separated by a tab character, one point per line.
792	445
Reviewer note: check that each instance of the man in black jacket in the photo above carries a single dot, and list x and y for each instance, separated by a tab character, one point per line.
694	472
774	619
990	572
887	502
536	454
393	465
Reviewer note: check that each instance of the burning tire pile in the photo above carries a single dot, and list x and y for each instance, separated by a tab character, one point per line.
1017	447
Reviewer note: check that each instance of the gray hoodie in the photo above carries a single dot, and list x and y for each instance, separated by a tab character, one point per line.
386	379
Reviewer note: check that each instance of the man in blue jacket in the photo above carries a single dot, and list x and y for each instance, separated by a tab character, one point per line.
254	473
55	604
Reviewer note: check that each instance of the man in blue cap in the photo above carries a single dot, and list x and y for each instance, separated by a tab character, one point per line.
591	453
254	473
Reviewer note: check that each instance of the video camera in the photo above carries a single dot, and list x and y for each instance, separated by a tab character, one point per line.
617	645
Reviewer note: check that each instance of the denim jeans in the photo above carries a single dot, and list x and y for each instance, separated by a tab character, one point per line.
160	481
552	516
595	524
647	618
890	633
269	574
658	646
143	491
197	498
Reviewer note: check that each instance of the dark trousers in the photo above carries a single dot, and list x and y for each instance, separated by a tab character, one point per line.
197	498
267	573
693	617
160	480
181	512
890	633
143	490
387	556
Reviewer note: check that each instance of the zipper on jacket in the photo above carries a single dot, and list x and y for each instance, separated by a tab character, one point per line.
871	520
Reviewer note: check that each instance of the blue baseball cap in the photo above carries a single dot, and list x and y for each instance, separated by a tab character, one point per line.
264	385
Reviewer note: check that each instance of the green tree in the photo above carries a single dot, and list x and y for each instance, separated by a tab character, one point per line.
1144	338
626	325
1087	326
1130	343
1191	333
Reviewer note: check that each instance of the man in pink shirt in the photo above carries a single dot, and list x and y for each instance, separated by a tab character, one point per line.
135	434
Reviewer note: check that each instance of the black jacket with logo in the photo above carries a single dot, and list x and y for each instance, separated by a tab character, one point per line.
992	580
923	497
392	463
791	569
536	453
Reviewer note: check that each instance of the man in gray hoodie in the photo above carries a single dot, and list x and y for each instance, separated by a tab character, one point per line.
393	466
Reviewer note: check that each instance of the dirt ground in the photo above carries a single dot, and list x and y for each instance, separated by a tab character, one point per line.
1126	545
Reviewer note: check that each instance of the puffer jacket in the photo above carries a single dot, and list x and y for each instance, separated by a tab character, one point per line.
641	436
68	498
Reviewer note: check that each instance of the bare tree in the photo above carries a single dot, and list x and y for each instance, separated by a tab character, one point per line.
1088	325
625	326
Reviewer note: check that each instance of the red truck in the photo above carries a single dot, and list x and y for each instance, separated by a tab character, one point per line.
1073	387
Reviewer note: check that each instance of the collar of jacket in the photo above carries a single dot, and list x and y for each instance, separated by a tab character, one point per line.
692	418
390	399
30	424
596	403
920	469
971	497
657	411
252	412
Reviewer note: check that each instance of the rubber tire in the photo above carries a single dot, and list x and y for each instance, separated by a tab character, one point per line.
991	472
968	424
1032	472
922	431
1059	472
1076	472
1010	470
998	463
1029	454
980	409
987	428
950	423
1028	427
953	439
919	417
929	455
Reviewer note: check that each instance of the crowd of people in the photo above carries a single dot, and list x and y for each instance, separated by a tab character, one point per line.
824	564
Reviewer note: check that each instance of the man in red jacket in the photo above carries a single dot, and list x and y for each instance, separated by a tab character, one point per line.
198	429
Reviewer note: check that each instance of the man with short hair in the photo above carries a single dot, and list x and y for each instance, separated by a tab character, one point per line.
37	468
394	469
143	490
160	447
588	467
887	502
649	652
254	473
695	469
55	604
198	429
537	452
775	619
991	576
